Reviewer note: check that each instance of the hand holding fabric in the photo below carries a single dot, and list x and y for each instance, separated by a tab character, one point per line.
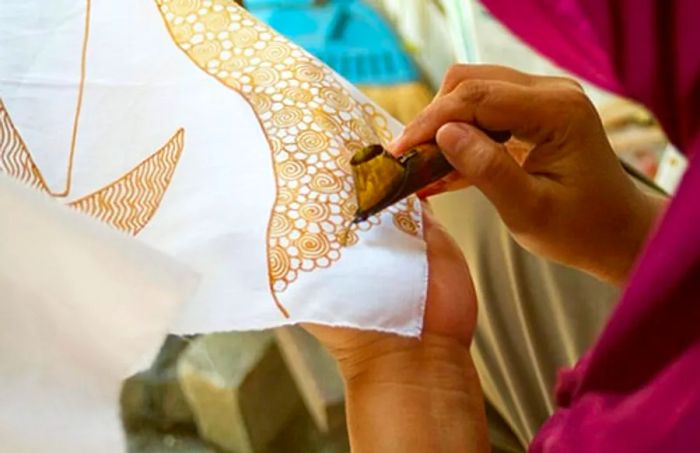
432	379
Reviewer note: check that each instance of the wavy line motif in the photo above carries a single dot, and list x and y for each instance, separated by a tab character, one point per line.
15	159
130	202
127	204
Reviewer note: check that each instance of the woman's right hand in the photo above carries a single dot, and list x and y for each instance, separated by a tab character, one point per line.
557	184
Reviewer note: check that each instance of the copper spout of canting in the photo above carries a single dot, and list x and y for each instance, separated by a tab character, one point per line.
382	179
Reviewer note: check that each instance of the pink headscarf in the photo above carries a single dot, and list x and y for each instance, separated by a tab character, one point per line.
637	389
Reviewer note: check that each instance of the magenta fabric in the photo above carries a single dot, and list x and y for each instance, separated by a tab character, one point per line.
638	388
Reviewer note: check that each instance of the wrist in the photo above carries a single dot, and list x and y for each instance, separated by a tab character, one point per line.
647	211
433	360
425	398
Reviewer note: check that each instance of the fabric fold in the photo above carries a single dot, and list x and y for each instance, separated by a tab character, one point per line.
82	307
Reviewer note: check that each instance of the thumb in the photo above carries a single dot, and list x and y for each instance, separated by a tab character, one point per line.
487	164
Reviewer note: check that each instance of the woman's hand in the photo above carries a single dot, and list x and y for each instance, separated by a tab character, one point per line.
450	308
418	395
557	184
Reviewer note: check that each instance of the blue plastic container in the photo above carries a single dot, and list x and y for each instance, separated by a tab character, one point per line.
348	35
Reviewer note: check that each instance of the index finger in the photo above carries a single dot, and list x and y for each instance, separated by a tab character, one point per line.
532	113
459	73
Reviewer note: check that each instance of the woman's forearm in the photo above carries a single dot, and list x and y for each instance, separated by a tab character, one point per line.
424	400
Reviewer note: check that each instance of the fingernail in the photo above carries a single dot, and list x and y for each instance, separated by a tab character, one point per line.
432	189
393	144
423	194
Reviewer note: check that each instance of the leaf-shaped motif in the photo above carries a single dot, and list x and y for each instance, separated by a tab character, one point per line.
127	204
130	202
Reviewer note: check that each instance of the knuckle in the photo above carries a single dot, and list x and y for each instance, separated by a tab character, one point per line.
573	83
434	114
452	107
581	107
572	105
539	79
576	98
453	76
567	82
473	91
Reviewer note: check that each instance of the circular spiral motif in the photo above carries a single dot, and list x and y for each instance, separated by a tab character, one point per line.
184	7
348	238
381	127
343	162
405	223
260	101
313	246
288	116
298	94
265	77
182	32
275	51
279	225
245	37
336	99
311	146
325	121
307	72
232	82
362	130
353	146
204	52
312	141
284	196
276	144
314	212
235	63
326	182
349	208
216	21
291	170
278	260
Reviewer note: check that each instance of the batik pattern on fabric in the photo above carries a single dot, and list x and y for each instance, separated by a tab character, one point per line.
130	202
127	204
312	123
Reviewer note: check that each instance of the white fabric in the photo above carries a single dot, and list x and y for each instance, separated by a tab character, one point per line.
81	307
671	169
439	33
215	104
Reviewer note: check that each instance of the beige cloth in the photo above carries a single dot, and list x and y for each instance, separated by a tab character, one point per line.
81	308
534	318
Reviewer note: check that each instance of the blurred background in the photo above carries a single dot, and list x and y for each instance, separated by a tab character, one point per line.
278	391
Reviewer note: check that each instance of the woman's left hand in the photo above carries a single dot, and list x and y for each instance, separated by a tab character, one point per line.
417	394
450	311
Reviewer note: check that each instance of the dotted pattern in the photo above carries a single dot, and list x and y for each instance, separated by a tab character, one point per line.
312	123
